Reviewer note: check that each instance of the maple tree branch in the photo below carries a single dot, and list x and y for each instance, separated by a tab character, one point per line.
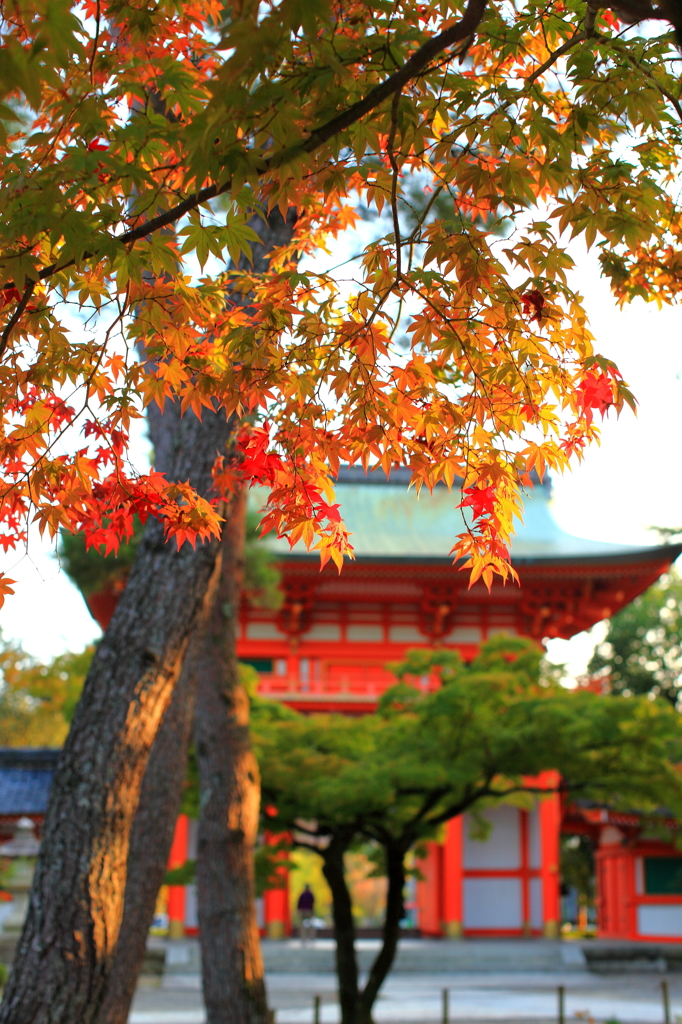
412	67
95	43
633	12
617	46
394	184
591	18
579	37
16	316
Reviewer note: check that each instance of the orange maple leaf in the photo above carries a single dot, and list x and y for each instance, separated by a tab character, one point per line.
5	587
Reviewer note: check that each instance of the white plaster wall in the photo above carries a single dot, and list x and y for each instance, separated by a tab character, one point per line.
323	631
364	633
464	635
492	903
663	919
535	893
406	635
263	631
191	909
192	837
534	847
502	848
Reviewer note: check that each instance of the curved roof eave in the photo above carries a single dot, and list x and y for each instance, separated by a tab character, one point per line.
660	554
389	522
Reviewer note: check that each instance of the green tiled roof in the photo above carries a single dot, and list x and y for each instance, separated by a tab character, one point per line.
389	521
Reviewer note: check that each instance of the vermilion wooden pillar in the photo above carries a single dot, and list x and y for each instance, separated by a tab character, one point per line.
550	829
616	901
429	892
176	893
277	916
452	879
276	901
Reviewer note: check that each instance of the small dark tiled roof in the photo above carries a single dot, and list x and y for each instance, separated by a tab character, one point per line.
25	780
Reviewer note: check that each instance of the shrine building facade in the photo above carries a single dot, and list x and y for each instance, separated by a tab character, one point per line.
327	647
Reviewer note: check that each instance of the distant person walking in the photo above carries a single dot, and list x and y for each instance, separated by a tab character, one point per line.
306	906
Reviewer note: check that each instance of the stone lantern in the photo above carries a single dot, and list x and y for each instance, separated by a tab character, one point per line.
21	850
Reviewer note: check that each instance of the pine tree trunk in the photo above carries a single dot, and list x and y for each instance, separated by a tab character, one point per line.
150	844
229	781
344	928
161	794
64	957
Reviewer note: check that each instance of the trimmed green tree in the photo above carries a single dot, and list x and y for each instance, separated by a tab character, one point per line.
642	650
396	776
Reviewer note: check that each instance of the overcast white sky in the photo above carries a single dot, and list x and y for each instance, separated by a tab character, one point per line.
629	483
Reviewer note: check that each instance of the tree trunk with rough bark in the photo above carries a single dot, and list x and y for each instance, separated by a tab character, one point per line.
150	844
64	957
161	794
344	926
229	780
356	1003
229	786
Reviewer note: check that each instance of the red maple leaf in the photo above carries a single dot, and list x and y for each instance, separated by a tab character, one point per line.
325	511
98	145
480	499
595	392
258	465
9	294
533	303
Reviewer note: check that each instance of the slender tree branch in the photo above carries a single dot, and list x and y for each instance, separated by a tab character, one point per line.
456	809
579	37
411	69
390	144
16	316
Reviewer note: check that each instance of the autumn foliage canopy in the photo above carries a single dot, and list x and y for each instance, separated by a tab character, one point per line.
140	145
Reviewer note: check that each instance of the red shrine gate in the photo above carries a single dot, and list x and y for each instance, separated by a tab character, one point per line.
326	650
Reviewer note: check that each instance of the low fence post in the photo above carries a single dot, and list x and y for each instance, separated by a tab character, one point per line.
316	1010
666	1001
446	1007
562	1007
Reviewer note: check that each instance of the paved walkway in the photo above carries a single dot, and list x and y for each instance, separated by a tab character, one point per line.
509	998
419	956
